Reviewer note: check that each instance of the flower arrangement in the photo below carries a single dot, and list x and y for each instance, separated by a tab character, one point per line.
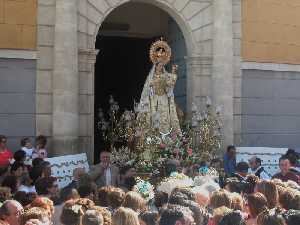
148	149
175	180
145	188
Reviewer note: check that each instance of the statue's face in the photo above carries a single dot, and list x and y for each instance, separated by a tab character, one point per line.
159	67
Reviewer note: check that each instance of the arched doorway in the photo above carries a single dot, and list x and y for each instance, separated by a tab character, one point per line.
123	63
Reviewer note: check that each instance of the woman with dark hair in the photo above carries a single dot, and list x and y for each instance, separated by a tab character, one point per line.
47	187
12	182
232	218
148	218
20	156
17	169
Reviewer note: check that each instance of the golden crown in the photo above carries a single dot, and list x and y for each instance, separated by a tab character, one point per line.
160	52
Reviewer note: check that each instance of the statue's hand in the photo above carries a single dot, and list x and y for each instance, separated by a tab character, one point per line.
174	69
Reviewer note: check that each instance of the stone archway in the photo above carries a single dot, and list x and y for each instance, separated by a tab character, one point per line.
187	15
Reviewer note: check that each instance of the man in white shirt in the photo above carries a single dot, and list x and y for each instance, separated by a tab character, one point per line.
257	169
104	173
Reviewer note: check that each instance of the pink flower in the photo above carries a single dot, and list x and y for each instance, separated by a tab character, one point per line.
162	146
190	152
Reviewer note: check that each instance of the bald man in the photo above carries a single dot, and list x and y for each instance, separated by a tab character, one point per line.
11	212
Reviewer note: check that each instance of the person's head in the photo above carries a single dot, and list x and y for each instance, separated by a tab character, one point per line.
160	199
286	198
242	168
271	217
26	142
105	157
17	169
71	213
125	216
20	156
186	192
92	217
102	195
171	166
236	201
5	194
46	169
292	217
232	218
45	203
269	190
85	203
41	142
200	214
105	214
11	212
255	204
68	194
231	151
115	198
77	173
135	201
87	191
12	182
35	173
219	212
232	184
148	218
127	171
25	198
284	165
295	204
47	186
293	156
3	141
176	215
37	213
220	198
37	162
254	163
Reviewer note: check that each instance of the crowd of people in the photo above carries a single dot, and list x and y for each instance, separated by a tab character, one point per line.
106	195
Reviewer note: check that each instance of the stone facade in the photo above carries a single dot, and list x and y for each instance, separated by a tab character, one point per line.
195	18
66	56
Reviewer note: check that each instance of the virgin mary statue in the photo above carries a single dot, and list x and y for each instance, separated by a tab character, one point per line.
157	105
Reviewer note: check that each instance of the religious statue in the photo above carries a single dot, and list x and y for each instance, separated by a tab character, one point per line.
157	103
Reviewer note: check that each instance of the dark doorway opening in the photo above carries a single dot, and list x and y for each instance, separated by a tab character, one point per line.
121	69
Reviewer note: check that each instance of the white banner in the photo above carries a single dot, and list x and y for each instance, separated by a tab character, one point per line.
62	167
269	156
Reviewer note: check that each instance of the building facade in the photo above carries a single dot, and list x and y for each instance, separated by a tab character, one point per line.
244	54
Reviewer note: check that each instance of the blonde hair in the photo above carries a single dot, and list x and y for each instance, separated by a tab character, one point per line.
125	216
34	213
105	213
218	213
236	201
115	198
135	201
220	198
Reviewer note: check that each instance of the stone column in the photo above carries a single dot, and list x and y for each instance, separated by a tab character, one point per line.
65	79
222	76
193	68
